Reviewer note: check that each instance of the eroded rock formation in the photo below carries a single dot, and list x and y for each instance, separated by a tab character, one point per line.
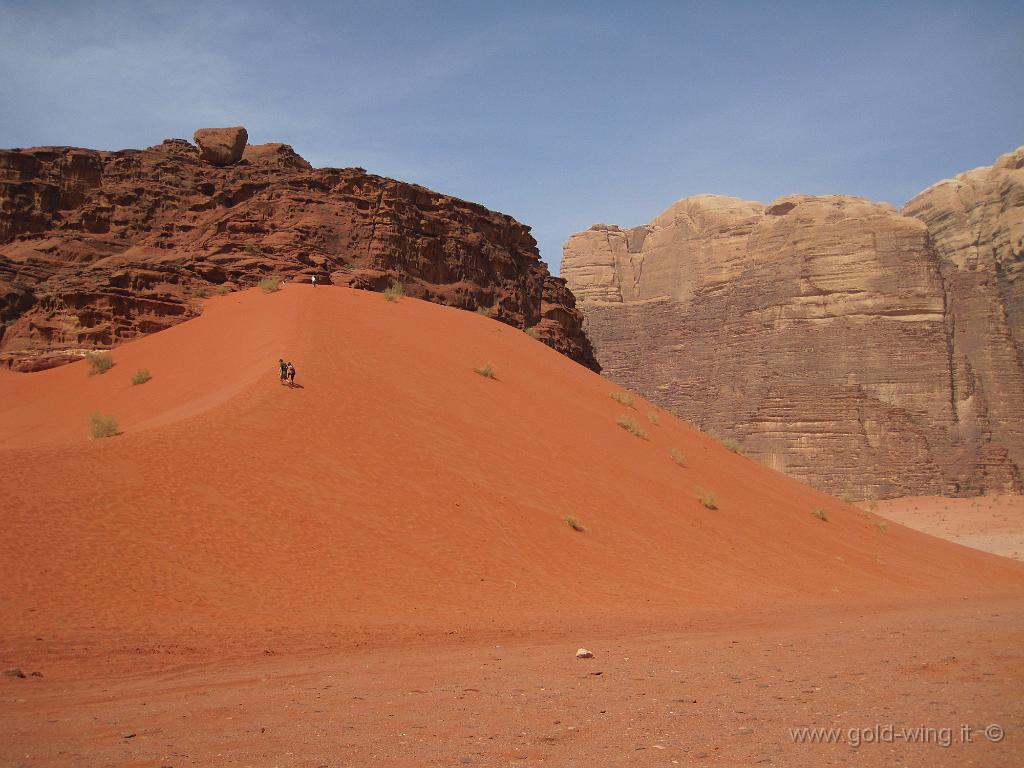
97	247
868	351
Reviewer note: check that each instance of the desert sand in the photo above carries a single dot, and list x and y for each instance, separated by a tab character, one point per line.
375	569
990	523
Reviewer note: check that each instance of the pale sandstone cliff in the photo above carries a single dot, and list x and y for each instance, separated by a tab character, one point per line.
838	339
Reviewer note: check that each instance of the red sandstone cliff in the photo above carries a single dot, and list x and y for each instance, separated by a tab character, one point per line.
868	351
97	247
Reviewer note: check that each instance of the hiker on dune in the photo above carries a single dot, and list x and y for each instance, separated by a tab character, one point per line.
284	369
291	375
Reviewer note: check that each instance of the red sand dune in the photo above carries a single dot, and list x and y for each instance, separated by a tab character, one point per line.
194	589
398	491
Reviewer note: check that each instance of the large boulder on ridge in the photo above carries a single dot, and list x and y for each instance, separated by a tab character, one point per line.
221	146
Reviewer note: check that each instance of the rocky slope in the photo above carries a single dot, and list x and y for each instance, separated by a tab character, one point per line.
97	247
865	350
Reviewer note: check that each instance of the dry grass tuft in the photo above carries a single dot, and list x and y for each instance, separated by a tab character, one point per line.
394	292
270	284
623	398
101	425
99	362
706	498
573	523
487	371
629	424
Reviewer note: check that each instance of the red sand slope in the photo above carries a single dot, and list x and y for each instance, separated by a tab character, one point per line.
400	491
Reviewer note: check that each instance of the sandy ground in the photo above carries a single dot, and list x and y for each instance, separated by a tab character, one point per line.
989	523
913	687
375	569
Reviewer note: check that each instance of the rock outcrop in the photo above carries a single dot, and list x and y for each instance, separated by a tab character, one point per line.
221	146
868	351
98	247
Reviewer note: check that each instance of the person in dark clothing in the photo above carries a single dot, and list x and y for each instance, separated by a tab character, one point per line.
284	369
291	374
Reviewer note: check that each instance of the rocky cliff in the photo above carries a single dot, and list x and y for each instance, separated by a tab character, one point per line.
98	247
869	351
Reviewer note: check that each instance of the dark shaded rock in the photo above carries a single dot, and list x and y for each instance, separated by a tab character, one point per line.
100	247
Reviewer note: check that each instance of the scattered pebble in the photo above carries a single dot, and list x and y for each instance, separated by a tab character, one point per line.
15	672
583	653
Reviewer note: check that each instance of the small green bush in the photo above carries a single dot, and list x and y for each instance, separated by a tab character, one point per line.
270	284
99	362
485	311
141	376
394	292
706	498
629	424
677	457
532	332
487	371
201	292
573	523
623	398
101	425
820	514
249	248
222	289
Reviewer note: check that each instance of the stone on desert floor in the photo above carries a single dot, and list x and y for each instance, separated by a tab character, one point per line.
583	653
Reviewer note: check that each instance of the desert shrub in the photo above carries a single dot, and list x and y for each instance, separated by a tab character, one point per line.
101	425
141	376
487	371
652	417
630	425
820	514
222	289
676	456
882	525
485	311
201	292
394	292
573	523
532	332
623	398
732	444
270	284
249	248
99	362
706	498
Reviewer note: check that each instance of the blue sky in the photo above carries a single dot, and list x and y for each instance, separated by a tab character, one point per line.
561	114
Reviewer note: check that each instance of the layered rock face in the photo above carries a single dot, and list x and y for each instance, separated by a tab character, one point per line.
98	247
867	351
